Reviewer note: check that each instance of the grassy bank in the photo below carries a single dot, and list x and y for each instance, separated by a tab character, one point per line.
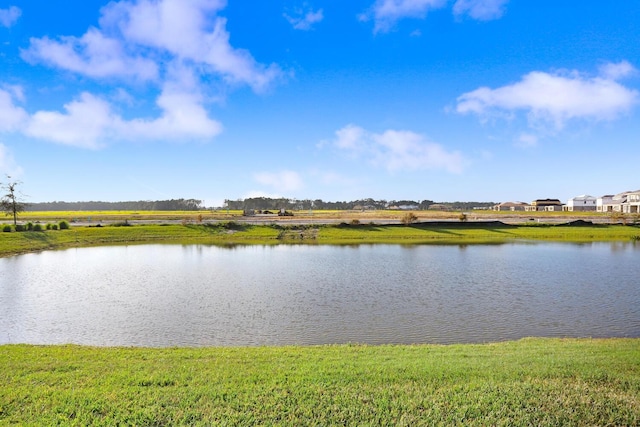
225	233
527	382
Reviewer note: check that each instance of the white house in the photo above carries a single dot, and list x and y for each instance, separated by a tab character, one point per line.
625	202
632	203
605	203
581	203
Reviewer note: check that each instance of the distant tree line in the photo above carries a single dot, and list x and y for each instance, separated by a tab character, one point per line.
143	205
266	203
256	203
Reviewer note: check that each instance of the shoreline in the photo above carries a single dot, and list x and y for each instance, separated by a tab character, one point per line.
239	233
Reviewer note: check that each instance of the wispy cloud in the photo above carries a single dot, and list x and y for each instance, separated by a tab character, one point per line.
526	140
304	18
9	16
94	55
617	70
482	10
397	150
8	165
386	13
556	98
12	117
285	181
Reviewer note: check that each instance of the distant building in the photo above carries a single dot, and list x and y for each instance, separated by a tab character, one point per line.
510	206
544	205
581	203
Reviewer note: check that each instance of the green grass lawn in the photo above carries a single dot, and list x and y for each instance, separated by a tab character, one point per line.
551	382
226	233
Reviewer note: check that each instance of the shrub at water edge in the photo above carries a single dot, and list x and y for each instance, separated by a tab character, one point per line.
64	225
6	229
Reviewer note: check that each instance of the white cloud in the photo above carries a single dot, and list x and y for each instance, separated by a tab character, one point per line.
398	150
85	124
165	30
11	117
303	19
89	122
386	13
189	30
8	165
9	16
179	47
553	97
283	181
183	117
483	10
93	55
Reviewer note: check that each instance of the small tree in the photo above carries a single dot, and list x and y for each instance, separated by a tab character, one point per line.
11	203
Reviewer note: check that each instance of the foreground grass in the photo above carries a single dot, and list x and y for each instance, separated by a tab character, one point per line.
527	382
230	233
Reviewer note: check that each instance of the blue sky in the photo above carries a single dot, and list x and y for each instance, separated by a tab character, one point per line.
471	100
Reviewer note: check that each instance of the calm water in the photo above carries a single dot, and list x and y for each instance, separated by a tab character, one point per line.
171	295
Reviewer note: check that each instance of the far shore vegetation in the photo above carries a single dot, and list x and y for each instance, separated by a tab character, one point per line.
40	231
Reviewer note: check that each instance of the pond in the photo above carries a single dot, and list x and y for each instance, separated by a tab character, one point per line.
198	295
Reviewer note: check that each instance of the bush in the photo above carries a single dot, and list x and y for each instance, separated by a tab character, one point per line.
29	226
409	218
124	223
20	227
48	226
54	226
355	222
64	225
37	227
6	228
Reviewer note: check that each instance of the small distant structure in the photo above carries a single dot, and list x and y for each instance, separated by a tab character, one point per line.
510	206
545	205
404	207
439	207
581	204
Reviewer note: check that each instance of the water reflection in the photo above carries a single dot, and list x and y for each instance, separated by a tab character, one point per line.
191	295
